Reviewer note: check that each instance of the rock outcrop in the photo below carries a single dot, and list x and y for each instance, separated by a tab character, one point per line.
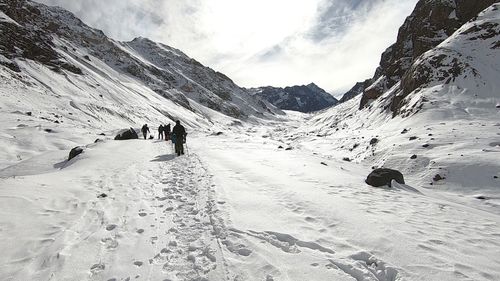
358	89
431	22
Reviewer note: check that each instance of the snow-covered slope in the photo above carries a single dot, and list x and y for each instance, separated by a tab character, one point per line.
447	116
59	75
305	98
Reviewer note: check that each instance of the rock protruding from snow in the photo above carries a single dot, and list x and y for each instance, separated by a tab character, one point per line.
75	152
383	176
305	98
431	23
127	134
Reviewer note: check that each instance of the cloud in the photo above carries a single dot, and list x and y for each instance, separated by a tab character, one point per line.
333	43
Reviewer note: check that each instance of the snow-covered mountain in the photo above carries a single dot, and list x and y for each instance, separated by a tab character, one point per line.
440	118
431	22
58	40
60	75
304	98
278	198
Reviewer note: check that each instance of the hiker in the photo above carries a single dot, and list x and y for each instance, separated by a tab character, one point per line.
145	130
166	130
180	137
160	132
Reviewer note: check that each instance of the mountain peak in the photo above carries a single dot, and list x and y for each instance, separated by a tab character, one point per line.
303	98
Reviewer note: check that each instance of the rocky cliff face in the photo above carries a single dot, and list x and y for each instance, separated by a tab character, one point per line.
359	88
57	39
305	98
432	22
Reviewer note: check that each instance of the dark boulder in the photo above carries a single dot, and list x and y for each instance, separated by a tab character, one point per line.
438	177
413	156
74	152
383	176
128	134
373	141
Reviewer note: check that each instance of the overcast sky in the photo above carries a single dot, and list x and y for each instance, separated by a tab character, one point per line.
333	43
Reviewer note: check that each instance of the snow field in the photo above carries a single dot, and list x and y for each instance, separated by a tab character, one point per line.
303	220
154	224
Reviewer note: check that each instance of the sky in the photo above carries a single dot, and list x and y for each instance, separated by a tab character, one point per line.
333	43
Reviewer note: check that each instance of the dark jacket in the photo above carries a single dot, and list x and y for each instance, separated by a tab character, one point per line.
145	129
179	131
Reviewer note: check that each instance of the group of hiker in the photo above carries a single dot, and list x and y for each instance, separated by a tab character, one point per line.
177	136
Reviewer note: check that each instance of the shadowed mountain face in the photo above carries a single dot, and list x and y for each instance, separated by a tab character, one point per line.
356	90
58	40
432	22
305	98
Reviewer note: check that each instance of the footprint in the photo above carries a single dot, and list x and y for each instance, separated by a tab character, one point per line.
140	230
138	263
143	214
310	219
96	268
110	227
110	243
244	252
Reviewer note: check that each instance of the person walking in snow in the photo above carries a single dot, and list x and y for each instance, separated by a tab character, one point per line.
160	132
166	130
180	137
145	130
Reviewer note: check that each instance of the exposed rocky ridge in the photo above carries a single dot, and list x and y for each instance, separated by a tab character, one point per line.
359	88
304	98
431	22
56	38
462	57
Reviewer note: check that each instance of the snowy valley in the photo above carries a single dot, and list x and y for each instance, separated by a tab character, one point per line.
261	194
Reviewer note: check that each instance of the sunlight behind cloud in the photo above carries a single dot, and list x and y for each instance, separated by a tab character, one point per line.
250	26
333	43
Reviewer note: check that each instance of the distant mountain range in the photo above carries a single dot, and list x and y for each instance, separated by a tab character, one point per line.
305	98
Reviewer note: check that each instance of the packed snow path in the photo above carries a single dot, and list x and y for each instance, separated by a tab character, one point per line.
236	208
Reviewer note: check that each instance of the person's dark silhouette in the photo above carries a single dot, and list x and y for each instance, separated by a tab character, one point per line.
145	130
166	130
180	137
160	132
